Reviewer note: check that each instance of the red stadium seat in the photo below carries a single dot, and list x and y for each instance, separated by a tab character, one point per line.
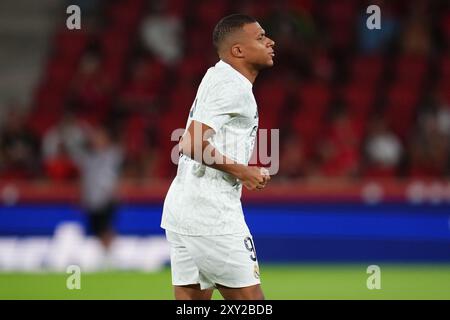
314	97
359	99
366	69
401	108
340	17
403	96
40	121
310	129
300	6
125	14
135	136
177	7
444	90
70	44
209	14
445	69
271	98
181	99
411	70
192	67
446	26
374	171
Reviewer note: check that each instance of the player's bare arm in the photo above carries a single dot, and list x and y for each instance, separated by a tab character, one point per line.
192	142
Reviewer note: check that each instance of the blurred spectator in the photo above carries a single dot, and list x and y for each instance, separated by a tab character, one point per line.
19	148
322	66
89	94
67	132
429	149
295	36
65	135
293	162
161	34
138	137
416	31
146	82
99	167
60	166
443	115
340	149
383	150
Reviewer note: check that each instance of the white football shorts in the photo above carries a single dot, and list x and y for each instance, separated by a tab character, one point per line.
227	260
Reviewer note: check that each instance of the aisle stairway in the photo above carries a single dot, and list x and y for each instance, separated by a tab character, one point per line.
25	30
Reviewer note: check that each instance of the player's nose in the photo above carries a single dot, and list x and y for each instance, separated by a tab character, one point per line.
270	42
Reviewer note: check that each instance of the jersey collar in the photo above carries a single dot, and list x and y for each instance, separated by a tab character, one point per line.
223	64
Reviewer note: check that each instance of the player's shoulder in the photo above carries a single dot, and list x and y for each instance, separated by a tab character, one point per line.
222	82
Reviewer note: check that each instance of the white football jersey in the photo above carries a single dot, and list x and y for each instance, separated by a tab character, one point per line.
202	200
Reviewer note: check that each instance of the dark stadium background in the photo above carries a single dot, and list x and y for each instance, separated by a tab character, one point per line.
364	119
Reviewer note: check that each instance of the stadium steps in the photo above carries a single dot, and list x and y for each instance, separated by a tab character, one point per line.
25	29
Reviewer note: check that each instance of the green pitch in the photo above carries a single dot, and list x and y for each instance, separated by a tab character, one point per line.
278	281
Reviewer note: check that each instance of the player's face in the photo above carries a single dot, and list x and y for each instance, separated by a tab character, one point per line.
259	49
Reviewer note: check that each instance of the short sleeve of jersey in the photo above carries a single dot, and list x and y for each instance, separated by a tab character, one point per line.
217	106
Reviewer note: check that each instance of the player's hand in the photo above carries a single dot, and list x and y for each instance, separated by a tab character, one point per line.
254	178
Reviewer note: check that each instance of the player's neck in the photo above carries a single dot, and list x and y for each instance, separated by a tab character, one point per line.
247	71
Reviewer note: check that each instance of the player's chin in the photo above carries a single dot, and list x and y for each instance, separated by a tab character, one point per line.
262	64
266	64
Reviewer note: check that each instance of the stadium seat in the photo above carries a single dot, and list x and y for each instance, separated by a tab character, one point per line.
411	70
366	69
359	99
314	97
445	68
271	98
401	109
309	128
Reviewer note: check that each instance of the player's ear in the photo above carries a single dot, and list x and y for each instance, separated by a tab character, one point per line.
236	51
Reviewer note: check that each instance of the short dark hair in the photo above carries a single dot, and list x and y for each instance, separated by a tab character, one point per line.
228	25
